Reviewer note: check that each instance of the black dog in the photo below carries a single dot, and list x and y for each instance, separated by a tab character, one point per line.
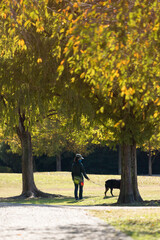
112	183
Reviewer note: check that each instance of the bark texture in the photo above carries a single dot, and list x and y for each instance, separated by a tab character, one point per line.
129	187
29	188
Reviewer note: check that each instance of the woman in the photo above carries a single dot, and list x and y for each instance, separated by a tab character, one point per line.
78	172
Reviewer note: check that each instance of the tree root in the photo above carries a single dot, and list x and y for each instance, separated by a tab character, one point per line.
33	194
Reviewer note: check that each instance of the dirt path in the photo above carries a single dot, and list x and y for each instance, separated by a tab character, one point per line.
27	222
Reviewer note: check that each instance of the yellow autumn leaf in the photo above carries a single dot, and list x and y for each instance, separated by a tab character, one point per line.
73	80
156	100
70	17
131	91
117	124
123	89
75	5
62	62
101	110
155	114
39	60
65	50
82	75
40	29
21	42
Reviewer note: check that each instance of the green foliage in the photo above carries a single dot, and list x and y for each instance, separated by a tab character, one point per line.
113	50
5	169
28	60
10	160
58	134
107	57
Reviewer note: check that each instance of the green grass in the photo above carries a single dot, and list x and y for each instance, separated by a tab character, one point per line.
138	223
61	183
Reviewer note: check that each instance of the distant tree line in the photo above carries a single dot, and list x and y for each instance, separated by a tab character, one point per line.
102	160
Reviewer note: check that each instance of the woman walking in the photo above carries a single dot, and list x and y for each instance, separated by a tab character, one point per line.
78	172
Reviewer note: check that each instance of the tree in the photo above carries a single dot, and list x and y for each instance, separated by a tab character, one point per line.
29	58
152	147
31	44
7	158
113	50
58	134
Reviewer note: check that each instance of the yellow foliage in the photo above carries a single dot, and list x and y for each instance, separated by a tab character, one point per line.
131	91
82	75
77	43
40	29
123	89
70	17
117	124
39	60
75	5
100	29
62	62
101	110
155	114
4	15
21	42
75	49
117	47
156	27
70	30
156	100
73	80
127	92
65	50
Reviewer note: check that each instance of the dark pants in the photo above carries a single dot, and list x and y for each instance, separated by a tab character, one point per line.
80	191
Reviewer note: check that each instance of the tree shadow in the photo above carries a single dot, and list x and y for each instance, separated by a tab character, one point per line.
59	200
68	200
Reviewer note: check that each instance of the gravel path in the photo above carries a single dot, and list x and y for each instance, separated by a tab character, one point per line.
27	222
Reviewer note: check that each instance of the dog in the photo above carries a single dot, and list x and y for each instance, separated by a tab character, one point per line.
112	183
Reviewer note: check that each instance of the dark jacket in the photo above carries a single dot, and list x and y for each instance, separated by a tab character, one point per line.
78	170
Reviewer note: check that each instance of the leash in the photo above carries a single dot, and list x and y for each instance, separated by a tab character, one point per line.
96	183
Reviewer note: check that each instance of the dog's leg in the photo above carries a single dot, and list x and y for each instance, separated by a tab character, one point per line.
111	192
105	193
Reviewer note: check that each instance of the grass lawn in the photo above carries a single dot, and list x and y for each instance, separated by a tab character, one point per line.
138	223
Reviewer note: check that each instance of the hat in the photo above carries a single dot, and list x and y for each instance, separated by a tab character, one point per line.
79	156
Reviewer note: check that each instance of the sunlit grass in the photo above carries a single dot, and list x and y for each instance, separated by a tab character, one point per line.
60	183
140	224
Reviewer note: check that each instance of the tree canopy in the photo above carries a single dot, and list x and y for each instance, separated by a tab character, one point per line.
113	49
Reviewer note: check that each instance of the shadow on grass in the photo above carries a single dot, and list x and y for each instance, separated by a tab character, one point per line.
62	200
68	200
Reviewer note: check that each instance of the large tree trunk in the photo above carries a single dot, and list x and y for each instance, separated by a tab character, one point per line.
29	188
58	162
126	191
129	188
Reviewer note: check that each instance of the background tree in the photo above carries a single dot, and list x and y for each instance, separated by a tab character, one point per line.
56	135
152	147
29	50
